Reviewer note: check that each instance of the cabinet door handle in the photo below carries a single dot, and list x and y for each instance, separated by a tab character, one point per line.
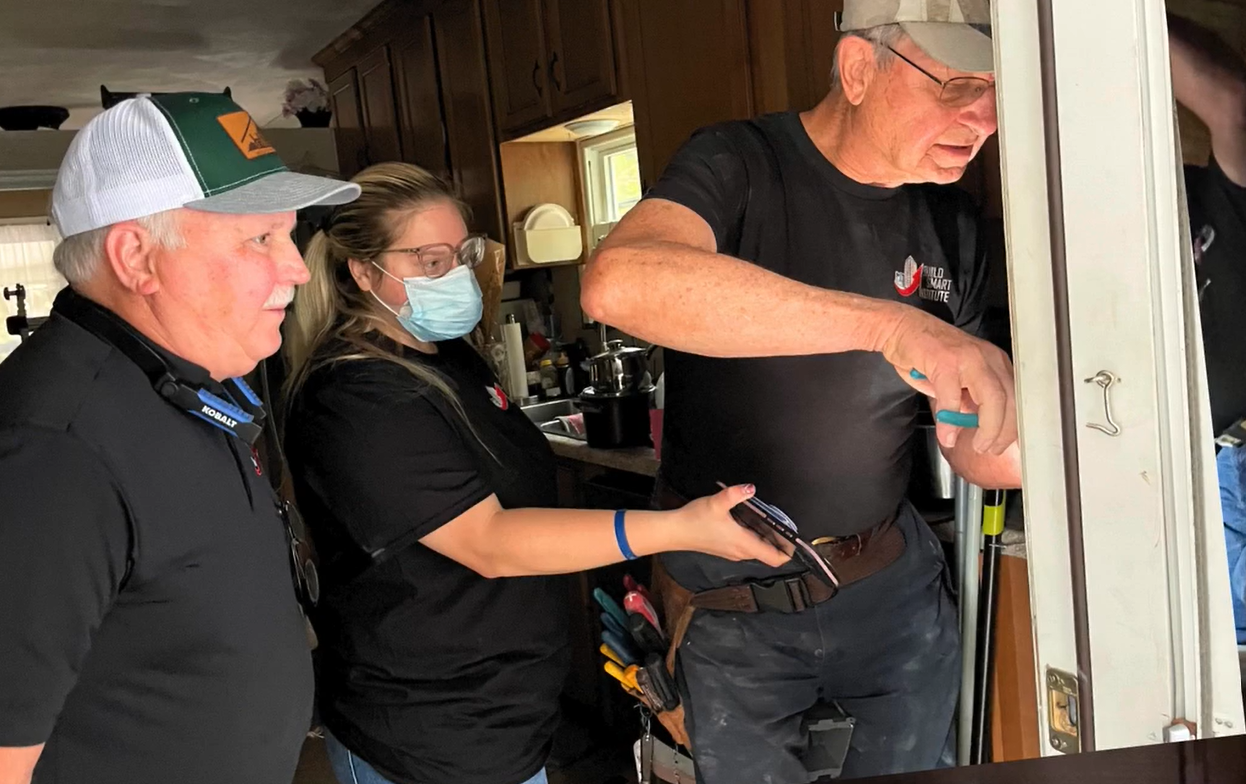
536	78
553	72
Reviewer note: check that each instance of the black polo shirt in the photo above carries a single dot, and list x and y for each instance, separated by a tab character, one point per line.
428	671
1218	211
148	626
827	438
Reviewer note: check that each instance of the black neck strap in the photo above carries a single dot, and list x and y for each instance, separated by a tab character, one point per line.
241	416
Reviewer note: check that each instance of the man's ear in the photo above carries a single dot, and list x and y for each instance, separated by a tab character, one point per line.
857	68
130	251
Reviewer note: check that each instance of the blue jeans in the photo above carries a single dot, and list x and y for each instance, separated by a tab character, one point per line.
1231	467
350	769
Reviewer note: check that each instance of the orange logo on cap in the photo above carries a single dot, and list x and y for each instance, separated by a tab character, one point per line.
245	134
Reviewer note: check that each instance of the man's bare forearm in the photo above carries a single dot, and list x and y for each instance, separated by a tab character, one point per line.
1209	79
706	303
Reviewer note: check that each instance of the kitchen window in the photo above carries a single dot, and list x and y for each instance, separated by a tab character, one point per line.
611	175
26	258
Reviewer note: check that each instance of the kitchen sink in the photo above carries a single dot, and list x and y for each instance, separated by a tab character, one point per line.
545	416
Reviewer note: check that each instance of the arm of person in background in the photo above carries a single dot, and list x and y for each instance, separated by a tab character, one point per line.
658	276
1209	79
62	558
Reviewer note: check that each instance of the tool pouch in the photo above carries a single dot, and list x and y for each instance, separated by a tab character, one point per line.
675	607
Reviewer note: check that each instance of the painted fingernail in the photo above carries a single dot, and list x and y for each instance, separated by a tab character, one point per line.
749	489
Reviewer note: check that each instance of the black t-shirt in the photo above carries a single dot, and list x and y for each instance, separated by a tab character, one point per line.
428	671
826	438
1216	202
148	626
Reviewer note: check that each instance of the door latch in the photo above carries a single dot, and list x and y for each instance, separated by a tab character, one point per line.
1105	380
1063	712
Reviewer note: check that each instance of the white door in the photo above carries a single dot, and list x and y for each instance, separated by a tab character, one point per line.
1127	562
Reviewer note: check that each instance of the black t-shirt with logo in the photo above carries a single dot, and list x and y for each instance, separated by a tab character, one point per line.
826	438
426	670
148	625
1218	213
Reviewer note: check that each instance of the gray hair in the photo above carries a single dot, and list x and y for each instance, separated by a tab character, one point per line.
77	258
881	37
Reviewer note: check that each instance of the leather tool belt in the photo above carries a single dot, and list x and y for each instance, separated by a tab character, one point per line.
852	557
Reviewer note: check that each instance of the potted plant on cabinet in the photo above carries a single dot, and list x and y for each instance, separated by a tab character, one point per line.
309	102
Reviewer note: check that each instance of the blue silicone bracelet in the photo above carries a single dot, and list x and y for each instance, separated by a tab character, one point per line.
620	536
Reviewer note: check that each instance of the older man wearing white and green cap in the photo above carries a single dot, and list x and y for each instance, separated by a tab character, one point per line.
149	629
811	282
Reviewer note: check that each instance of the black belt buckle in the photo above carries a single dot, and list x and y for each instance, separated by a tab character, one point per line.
1234	435
782	594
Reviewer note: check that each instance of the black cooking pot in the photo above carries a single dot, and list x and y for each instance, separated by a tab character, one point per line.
616	420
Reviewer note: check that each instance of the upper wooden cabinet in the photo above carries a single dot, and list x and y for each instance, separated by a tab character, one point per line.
518	61
380	111
469	123
422	121
352	152
409	83
692	63
580	41
688	67
549	60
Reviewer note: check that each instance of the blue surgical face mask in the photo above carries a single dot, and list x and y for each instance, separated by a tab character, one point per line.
442	308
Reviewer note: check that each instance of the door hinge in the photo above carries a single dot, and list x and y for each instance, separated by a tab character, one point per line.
1063	711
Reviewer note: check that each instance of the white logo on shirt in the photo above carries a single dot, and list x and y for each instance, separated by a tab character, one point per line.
926	280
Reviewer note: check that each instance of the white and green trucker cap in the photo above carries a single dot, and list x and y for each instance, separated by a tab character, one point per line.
160	152
957	33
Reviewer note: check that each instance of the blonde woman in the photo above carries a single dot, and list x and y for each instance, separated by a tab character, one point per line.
429	495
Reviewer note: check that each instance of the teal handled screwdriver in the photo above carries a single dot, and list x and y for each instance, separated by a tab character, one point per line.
953	418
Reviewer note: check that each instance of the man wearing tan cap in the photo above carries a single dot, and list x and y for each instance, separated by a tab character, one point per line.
798	268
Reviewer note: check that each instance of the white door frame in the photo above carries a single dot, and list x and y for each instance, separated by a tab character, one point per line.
1127	563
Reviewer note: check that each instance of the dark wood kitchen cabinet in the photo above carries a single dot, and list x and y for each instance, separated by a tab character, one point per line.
688	66
549	60
472	143
352	154
518	62
380	112
422	123
409	83
692	63
581	67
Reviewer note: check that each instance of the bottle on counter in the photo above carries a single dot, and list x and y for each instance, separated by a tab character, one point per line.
566	379
534	388
551	387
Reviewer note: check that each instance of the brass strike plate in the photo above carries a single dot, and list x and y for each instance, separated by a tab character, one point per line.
1063	711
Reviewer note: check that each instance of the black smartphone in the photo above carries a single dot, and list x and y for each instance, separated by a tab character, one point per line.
777	529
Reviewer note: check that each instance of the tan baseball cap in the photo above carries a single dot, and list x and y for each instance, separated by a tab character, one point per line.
957	33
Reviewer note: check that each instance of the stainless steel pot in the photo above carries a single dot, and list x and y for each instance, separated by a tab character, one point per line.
619	369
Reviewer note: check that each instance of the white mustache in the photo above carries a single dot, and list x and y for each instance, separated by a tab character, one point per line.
280	298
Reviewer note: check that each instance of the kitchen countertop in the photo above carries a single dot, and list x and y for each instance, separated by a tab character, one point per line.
637	460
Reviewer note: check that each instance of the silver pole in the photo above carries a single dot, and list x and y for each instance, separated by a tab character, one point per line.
969	546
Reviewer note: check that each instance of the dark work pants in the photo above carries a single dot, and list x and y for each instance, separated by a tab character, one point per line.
887	649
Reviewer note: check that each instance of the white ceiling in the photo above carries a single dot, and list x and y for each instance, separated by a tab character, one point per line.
59	52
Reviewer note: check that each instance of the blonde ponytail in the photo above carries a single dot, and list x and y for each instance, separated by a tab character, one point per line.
315	309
